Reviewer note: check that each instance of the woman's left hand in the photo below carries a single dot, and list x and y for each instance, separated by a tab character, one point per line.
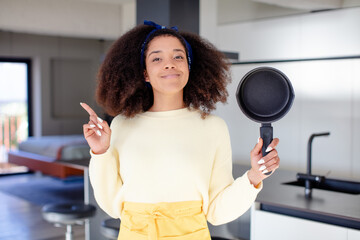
260	165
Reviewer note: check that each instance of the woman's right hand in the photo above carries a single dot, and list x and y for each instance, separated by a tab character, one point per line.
96	132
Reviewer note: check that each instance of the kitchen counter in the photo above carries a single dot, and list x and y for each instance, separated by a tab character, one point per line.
335	208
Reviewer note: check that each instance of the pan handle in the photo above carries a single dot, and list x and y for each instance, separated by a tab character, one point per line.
266	133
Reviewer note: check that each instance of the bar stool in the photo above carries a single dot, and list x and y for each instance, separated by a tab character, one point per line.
110	228
68	214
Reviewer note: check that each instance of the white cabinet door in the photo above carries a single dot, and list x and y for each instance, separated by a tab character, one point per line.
353	234
270	226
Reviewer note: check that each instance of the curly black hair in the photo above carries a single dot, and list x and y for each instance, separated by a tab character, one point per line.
122	88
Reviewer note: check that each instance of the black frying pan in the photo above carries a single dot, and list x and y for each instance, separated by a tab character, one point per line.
265	95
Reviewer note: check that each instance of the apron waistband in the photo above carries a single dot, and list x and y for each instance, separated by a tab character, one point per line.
150	213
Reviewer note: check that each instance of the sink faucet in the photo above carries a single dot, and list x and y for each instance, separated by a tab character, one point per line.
308	168
308	177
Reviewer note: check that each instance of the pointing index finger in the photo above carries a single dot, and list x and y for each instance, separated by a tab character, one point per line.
88	109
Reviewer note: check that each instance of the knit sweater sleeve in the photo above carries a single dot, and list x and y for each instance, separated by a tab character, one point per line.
104	173
228	198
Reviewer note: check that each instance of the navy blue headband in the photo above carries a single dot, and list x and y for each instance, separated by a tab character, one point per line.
158	27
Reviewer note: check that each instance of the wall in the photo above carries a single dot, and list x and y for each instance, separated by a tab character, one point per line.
324	102
327	92
105	19
64	70
323	34
231	11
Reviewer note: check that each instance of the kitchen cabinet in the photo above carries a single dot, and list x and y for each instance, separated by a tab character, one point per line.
267	225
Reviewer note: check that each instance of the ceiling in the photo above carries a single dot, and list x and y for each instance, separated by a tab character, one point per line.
108	1
230	11
310	5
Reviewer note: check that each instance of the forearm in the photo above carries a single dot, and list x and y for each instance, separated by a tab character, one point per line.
105	180
232	201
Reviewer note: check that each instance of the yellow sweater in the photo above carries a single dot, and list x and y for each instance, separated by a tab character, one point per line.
171	156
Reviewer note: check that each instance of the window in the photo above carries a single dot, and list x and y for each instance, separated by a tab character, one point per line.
15	111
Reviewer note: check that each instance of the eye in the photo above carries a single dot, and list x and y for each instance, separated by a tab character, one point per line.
156	59
179	57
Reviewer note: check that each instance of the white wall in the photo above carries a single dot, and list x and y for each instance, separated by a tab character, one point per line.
327	92
208	20
100	19
323	34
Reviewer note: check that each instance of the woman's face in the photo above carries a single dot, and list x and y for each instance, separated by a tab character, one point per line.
166	66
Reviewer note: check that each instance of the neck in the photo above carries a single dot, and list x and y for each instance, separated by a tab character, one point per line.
167	103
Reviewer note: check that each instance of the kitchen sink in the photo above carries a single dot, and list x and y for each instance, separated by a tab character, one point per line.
329	184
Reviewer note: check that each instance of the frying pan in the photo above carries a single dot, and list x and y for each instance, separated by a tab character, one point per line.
265	95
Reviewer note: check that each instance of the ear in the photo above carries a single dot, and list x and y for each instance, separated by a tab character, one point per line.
146	76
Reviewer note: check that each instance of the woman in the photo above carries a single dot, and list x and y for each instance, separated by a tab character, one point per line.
164	167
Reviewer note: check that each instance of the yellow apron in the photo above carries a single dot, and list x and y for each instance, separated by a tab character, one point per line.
163	221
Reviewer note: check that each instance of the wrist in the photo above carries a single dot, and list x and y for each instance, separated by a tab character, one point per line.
100	151
255	177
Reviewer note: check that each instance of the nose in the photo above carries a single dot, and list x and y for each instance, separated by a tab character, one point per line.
169	64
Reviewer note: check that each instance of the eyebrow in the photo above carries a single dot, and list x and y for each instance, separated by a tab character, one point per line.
175	50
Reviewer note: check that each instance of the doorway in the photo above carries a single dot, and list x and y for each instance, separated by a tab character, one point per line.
15	108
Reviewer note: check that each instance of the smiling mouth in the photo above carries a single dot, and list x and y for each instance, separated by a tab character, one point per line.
171	76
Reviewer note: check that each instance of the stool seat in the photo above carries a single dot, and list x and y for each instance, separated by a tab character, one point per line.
110	228
67	213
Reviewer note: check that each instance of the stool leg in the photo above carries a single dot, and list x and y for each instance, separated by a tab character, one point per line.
69	232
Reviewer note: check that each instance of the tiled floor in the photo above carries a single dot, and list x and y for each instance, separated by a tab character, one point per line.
21	220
